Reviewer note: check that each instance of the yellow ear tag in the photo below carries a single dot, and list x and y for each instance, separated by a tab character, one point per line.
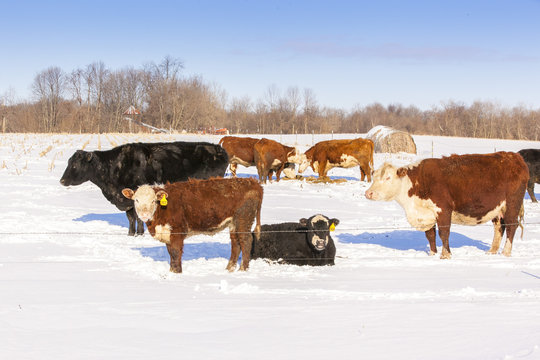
163	201
332	227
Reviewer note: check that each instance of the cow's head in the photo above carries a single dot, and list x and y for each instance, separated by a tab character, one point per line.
318	230
387	183
79	168
146	200
296	156
306	161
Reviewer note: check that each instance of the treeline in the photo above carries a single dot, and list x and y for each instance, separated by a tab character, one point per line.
94	98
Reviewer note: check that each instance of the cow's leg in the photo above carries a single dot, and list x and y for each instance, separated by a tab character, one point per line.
530	190
443	222
362	173
262	173
245	240
322	170
365	170
279	170
176	248
512	222
431	235
235	250
498	231
132	218
140	226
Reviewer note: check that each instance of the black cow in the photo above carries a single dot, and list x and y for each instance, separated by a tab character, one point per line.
305	243
532	159
131	165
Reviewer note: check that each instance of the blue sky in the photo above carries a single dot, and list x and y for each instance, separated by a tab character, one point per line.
350	53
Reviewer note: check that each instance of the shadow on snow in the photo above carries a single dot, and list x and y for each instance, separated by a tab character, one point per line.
408	240
206	250
118	219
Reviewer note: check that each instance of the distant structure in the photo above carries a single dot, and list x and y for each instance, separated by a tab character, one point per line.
132	112
389	140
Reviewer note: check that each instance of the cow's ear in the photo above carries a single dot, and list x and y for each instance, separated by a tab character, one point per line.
89	156
128	193
401	172
334	221
303	221
160	193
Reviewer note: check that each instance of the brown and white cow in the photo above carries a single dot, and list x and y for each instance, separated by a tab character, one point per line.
328	154
240	151
272	156
461	189
201	207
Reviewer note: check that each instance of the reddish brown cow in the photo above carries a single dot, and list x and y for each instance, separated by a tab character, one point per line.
240	151
272	156
201	207
460	189
328	154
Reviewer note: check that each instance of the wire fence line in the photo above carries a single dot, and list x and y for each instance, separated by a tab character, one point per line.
363	229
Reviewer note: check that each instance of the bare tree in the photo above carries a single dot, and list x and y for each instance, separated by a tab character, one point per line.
48	88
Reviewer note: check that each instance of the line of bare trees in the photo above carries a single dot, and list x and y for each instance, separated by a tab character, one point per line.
94	98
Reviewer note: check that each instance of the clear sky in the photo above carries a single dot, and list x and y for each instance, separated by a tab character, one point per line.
350	53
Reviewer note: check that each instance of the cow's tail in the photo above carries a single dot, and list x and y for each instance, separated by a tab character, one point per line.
521	217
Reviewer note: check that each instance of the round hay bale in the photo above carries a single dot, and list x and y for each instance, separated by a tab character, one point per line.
389	140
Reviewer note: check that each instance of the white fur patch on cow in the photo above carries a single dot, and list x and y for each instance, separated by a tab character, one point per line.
276	163
289	173
317	242
347	161
421	213
220	227
318	218
163	233
296	157
461	219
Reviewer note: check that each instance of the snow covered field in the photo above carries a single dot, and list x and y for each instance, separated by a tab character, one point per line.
73	285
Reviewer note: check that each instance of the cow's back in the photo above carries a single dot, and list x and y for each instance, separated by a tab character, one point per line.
148	163
205	204
472	184
240	147
278	240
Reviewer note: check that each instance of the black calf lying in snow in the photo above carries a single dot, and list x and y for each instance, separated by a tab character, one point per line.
305	243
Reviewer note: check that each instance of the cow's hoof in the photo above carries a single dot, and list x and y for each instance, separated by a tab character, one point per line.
230	267
507	253
446	255
491	252
175	270
432	253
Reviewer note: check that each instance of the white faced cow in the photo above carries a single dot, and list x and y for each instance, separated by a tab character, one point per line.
466	189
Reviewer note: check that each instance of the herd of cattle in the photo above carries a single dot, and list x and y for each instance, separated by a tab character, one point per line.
178	189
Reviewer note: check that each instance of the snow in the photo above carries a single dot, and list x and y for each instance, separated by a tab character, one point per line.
379	132
74	285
